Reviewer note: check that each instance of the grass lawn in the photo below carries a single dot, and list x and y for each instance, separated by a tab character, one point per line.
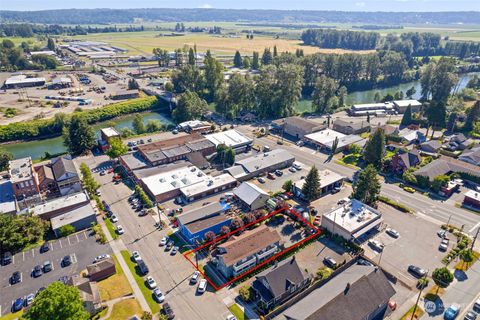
147	293
114	286
111	228
125	309
465	266
418	314
350	160
12	316
237	312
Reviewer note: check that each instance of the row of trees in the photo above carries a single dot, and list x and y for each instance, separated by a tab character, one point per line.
16	232
345	39
13	58
26	30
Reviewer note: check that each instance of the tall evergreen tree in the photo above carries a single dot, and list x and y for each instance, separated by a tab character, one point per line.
452	122
255	61
407	117
367	186
213	76
375	148
472	116
189	107
267	57
237	60
51	44
275	52
191	57
334	146
5	157
246	62
311	187
79	137
138	125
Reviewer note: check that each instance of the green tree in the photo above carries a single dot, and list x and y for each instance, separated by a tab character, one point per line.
355	149
188	78
213	76
79	137
334	146
267	57
191	57
436	113
132	84
153	126
311	187
169	87
275	51
245	293
247	62
189	106
366	187
146	316
452	122
236	97
230	156
467	256
342	94
324	273
407	116
138	125
237	60
410	92
255	61
51	44
439	182
442	277
473	115
16	232
66	230
324	90
288	186
88	181
117	148
5	157
375	148
57	302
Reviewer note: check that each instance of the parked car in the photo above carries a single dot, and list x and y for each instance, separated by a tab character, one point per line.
202	286
163	241
136	256
29	299
47	266
174	251
169	246
476	305
103	172
261	180
45	247
120	229
6	258
270	176
195	277
37	271
409	189
231	317
416	271
292	169
443	247
101	257
158	295
470	315
392	232
66	261
452	312
342	201
17	305
364	262
279	173
376	245
142	267
297	166
15	278
114	218
336	190
330	262
151	283
175	131
143	213
167	310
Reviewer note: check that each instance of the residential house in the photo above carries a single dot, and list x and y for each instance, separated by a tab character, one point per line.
359	292
242	253
457	142
387	128
430	147
66	175
251	196
279	283
402	161
447	165
101	270
350	127
89	293
194	224
471	156
410	136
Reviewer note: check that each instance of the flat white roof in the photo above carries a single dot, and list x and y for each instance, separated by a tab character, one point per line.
406	103
325	136
174	179
110	132
327	177
20	169
72	216
231	138
59	203
210	183
46	52
22	79
353	216
473	194
7	200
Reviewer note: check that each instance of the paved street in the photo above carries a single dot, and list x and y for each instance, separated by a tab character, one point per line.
82	248
172	273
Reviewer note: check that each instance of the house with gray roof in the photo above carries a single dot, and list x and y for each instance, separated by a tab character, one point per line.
359	292
430	147
279	283
66	175
447	165
251	196
471	156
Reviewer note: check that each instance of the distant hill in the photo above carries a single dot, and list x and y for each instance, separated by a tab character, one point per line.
110	16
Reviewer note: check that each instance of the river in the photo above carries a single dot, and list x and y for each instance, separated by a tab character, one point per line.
37	148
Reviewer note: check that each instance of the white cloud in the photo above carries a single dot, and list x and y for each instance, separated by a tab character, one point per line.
205	6
360	4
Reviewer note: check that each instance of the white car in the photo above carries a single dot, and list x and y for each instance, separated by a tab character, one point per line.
392	232
195	277
101	257
136	256
158	295
120	229
164	241
375	244
297	166
202	286
261	180
231	317
29	299
151	282
292	169
114	218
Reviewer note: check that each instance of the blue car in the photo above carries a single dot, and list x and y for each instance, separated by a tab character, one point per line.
452	312
17	305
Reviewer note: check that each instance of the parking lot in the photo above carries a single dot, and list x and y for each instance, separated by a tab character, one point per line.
81	247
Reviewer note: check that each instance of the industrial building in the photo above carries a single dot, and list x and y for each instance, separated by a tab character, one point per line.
352	220
373	109
22	81
208	187
402	105
194	126
324	140
261	163
126	94
231	138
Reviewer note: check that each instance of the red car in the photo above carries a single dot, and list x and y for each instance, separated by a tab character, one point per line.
270	176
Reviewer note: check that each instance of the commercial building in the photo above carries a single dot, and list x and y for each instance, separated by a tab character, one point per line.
402	105
297	127
208	187
350	127
251	196
60	176
352	220
472	199
24	179
22	81
109	133
7	198
61	205
261	163
373	109
166	185
231	138
194	224
133	161
242	253
80	218
195	126
325	139
359	292
329	181
279	283
126	94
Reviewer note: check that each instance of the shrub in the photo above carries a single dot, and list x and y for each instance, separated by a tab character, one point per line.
395	204
66	230
143	197
245	293
324	273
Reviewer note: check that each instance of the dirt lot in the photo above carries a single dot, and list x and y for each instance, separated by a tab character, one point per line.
31	102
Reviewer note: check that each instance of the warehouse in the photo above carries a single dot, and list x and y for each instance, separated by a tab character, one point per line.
373	109
126	94
208	187
297	127
402	105
230	138
21	81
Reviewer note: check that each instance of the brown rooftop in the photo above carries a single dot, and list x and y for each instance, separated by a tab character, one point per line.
248	243
165	144
202	224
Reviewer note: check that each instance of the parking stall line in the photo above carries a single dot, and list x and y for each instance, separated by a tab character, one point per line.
13	259
68	238
60	241
74	258
76	235
51	246
23	257
33	253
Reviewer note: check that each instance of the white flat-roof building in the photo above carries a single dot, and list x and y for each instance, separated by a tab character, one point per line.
44	52
55	207
230	138
402	105
21	81
323	137
108	133
208	187
329	181
374	109
353	220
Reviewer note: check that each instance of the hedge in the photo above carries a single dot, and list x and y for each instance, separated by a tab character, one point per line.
395	204
48	127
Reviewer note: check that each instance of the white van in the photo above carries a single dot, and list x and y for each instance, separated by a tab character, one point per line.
297	166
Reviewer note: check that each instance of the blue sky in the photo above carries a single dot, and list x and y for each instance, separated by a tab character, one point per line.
341	5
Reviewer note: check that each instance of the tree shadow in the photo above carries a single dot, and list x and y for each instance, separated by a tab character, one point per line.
460	275
287	230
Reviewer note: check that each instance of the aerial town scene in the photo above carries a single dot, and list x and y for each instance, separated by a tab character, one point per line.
306	160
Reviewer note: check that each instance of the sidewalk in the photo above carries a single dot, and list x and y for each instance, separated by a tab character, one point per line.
117	246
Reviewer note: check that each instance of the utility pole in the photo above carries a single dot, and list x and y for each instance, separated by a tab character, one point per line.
475	238
448	222
418	298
